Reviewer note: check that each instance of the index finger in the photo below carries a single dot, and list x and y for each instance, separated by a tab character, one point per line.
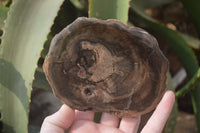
59	121
157	121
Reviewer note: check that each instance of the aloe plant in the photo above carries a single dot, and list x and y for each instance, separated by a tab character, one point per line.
112	9
26	28
3	15
180	44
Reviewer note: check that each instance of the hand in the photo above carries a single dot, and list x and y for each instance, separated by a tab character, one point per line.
82	122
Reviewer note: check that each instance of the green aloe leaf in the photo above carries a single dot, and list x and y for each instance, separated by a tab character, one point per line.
191	41
46	46
190	85
109	9
3	15
40	81
80	4
27	27
179	45
66	15
193	9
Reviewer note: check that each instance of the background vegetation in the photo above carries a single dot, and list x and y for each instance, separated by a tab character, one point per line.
27	27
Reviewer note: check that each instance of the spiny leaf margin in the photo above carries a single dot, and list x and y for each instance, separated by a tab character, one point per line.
26	30
3	15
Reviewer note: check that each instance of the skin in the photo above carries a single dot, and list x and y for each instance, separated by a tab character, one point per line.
82	122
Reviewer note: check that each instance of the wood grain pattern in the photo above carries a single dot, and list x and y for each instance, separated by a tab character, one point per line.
106	66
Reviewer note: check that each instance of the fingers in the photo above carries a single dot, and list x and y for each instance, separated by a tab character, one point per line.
157	121
109	120
63	119
59	121
85	126
84	115
129	125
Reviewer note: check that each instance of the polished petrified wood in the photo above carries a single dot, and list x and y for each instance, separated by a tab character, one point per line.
106	66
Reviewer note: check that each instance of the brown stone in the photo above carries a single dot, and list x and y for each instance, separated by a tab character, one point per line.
106	66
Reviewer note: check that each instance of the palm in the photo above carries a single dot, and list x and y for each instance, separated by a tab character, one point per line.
108	124
82	122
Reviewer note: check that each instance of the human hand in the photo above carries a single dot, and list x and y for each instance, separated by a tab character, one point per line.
82	122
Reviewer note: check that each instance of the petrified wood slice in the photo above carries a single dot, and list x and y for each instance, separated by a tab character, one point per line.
106	66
